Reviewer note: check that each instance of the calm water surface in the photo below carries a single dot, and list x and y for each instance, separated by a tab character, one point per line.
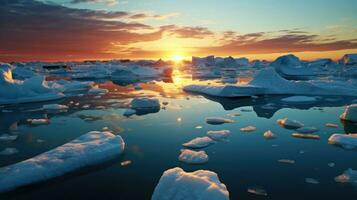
153	143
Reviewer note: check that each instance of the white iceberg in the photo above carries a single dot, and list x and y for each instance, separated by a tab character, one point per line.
176	184
193	157
350	113
198	142
88	149
290	124
347	141
71	86
218	135
30	90
299	99
218	120
290	67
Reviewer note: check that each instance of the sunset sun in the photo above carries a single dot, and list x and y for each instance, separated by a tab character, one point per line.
177	58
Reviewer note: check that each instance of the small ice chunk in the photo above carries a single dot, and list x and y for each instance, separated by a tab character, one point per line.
54	107
218	120
38	121
287	161
257	191
8	151
199	142
248	129
331	125
193	157
350	113
331	164
144	103
89	149
218	135
307	130
199	127
85	106
269	135
129	112
290	124
347	141
176	184
7	137
233	114
299	99
311	180
306	136
125	163
349	176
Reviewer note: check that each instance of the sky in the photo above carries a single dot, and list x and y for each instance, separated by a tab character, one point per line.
65	30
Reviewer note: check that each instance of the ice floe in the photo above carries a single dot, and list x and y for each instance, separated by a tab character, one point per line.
38	121
193	157
305	136
144	103
331	125
88	149
176	184
199	142
290	124
269	135
347	141
218	120
350	113
349	176
218	135
248	129
257	191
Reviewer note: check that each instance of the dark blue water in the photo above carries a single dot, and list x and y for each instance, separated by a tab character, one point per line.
153	142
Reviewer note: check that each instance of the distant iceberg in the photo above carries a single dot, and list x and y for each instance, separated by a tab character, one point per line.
89	149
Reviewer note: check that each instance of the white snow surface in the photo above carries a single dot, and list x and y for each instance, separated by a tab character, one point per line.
346	141
30	90
91	148
176	184
350	113
193	157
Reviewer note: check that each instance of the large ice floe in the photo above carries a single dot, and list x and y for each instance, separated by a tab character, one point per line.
29	90
199	142
269	82
176	184
346	141
350	113
89	149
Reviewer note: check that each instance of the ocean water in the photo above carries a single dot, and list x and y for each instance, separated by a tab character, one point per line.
154	140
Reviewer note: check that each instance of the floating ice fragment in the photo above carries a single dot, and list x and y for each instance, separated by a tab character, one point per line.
331	125
218	120
331	164
287	161
269	135
233	114
193	157
198	127
307	130
8	151
248	129
257	191
290	124
311	180
89	149
347	141
350	113
7	137
54	107
176	184
306	136
199	142
38	121
218	135
125	163
349	176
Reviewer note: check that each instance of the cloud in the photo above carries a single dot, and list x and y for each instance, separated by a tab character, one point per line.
148	16
108	2
263	43
187	31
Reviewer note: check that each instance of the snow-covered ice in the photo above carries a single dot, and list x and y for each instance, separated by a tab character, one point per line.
176	184
350	113
218	135
218	120
88	149
290	124
199	142
347	141
193	157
